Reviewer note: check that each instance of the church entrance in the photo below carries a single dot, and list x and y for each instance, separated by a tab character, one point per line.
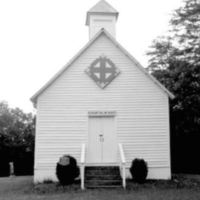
102	141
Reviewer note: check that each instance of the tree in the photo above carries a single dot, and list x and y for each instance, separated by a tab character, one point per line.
182	42
175	62
16	134
186	28
15	125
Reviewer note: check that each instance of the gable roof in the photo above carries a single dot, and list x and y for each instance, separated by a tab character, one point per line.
102	7
101	32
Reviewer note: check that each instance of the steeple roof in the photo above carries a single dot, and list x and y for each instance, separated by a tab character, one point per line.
102	7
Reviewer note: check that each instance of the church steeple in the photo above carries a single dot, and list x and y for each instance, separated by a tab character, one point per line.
102	15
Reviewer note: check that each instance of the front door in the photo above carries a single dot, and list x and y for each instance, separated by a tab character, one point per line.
102	144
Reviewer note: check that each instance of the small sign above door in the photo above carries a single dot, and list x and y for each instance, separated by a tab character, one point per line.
101	113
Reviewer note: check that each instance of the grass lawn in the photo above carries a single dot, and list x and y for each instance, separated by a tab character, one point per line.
21	188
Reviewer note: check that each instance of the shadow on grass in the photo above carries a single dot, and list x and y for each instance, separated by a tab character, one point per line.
51	187
177	182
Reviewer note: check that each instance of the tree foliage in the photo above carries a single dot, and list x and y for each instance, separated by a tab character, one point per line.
183	41
186	28
175	62
16	135
16	127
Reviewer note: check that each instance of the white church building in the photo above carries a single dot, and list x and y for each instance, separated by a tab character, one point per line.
103	108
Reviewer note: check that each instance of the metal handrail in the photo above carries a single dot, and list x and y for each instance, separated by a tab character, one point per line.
82	166
122	165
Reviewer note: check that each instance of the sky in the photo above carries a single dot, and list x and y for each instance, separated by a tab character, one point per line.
38	37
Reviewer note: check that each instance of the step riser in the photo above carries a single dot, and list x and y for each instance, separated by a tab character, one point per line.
103	186
103	183
102	167
100	170
103	178
101	174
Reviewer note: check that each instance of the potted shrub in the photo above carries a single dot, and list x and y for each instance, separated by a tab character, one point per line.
67	170
139	170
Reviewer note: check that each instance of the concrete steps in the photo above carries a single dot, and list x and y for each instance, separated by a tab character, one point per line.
102	177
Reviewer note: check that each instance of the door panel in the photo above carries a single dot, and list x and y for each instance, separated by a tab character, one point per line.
109	150
94	146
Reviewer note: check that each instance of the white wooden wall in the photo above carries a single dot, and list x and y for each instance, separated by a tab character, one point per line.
141	106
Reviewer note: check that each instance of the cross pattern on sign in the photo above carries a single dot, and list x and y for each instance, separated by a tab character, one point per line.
102	71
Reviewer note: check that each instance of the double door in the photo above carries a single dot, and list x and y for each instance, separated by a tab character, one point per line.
102	143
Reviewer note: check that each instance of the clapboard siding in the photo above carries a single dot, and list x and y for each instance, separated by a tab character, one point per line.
141	107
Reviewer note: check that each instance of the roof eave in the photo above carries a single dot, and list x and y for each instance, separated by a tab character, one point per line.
163	88
42	89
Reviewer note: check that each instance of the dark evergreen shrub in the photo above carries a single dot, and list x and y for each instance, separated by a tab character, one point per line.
23	161
67	170
139	170
4	162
